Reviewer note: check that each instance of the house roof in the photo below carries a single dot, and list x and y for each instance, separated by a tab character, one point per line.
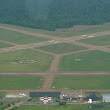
93	96
44	94
106	96
69	99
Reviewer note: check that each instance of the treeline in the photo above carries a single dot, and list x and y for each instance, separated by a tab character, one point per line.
53	14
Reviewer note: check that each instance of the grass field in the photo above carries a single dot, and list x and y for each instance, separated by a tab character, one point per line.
61	48
2	94
82	82
3	45
24	61
18	38
73	31
86	61
20	82
101	41
68	107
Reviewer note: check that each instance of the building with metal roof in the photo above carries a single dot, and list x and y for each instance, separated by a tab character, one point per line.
106	97
45	94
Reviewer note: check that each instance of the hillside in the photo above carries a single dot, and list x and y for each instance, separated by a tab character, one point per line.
52	14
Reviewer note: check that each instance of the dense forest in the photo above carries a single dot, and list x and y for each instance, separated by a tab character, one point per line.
53	14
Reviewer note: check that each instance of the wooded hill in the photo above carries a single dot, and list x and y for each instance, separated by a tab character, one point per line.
52	14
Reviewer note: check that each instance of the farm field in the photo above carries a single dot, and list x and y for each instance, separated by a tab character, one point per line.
82	82
24	61
18	38
100	41
20	82
94	61
61	48
69	107
2	94
4	45
73	31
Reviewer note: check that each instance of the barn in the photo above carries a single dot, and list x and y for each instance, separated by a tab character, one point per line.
45	97
45	94
106	97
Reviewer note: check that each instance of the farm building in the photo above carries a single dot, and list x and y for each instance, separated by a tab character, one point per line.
93	98
45	94
70	96
70	99
45	97
106	97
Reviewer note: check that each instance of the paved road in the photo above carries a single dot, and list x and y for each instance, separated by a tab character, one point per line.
87	90
25	46
56	74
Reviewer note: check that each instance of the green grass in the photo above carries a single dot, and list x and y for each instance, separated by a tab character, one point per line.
3	45
18	38
10	62
2	94
101	41
20	82
81	30
68	107
73	31
82	82
86	61
61	48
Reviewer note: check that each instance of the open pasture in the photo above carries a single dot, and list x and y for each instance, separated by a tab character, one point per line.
95	61
18	38
68	107
100	41
82	82
24	61
73	31
4	45
20	82
61	48
2	94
